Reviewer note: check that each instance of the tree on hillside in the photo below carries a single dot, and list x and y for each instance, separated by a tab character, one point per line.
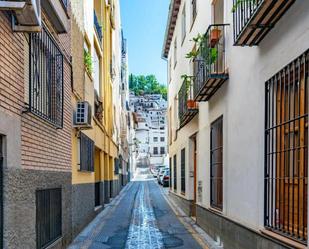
141	84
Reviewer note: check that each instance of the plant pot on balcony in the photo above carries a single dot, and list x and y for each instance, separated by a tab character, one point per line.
191	104
215	35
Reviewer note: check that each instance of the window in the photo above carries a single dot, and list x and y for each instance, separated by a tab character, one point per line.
175	173
175	52
86	153
286	150
46	78
162	139
216	164
155	150
183	23
97	72
162	150
155	139
48	216
194	10
183	170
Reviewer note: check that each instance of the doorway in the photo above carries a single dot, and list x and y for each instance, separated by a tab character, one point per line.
194	155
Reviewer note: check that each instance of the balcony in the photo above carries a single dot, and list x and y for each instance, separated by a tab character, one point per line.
98	27
56	10
187	107
253	19
209	66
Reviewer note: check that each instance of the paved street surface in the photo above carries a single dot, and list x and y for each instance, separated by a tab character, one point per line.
138	218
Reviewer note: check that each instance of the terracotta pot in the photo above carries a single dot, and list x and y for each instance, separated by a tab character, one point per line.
191	104
215	35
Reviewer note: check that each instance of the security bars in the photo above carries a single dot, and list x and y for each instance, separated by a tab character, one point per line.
48	216
216	164
286	150
46	78
86	153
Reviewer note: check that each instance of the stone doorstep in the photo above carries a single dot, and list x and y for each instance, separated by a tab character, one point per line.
209	243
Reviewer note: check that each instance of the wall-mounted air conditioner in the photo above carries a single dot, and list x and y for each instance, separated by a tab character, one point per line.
82	116
26	14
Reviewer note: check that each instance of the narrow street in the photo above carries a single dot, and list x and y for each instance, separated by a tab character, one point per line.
139	217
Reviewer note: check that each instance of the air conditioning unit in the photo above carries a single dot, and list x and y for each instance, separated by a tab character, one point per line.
82	117
26	14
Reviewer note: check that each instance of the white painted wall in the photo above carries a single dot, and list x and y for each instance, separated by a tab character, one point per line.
241	102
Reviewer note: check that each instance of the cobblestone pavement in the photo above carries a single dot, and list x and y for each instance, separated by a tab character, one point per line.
138	218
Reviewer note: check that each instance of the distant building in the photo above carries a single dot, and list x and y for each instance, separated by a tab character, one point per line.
151	129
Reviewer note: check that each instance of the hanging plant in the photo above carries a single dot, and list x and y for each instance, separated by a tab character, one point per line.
88	61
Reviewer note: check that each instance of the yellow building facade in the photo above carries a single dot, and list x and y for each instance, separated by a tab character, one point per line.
94	153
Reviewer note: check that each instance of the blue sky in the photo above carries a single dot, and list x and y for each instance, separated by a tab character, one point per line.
143	23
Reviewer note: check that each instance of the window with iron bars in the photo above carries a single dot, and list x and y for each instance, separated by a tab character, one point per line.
286	150
86	153
48	216
45	78
216	164
183	170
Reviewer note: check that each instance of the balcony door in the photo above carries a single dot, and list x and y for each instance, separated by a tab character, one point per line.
218	48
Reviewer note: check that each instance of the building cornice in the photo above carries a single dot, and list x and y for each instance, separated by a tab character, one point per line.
170	26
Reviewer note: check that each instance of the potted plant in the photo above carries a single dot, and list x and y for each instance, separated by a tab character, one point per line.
191	104
215	35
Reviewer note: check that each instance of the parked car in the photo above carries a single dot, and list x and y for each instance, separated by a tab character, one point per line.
166	178
159	171
160	179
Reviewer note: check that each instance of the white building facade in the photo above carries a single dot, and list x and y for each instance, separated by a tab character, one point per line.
238	120
151	129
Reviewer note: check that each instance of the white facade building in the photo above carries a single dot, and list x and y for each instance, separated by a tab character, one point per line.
151	129
238	129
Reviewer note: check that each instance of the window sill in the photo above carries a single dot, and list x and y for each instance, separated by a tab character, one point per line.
283	239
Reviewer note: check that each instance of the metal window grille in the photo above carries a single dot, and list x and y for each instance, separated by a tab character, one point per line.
216	164
183	170
286	150
48	216
86	153
46	78
175	172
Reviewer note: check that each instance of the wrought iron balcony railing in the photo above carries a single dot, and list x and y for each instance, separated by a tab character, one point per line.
187	106
210	70
253	19
98	26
